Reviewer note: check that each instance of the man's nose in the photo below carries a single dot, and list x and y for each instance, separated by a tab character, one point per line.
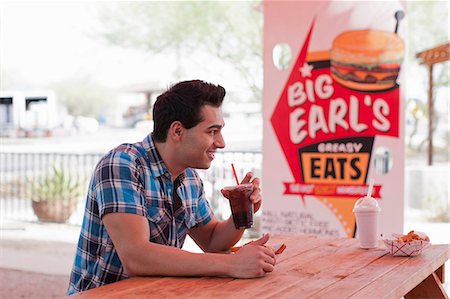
219	142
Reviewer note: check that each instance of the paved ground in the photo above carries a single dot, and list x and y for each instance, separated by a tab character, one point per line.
32	263
21	284
47	257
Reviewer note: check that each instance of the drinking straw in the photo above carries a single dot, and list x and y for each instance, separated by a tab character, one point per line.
234	173
369	191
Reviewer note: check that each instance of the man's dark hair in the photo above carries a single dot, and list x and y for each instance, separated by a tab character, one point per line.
182	102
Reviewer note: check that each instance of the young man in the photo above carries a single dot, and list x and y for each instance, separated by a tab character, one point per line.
145	197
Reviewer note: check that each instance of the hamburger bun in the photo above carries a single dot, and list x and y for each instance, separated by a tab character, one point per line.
366	60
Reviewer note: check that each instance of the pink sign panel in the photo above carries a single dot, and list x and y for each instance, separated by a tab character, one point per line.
333	115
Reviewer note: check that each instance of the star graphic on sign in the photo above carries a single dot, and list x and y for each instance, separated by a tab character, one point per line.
306	70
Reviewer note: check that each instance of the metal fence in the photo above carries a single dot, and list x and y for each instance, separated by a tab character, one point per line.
28	178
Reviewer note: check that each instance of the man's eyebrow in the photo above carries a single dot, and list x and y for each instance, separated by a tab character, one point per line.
216	127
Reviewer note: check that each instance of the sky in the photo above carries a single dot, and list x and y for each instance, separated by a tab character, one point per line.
45	42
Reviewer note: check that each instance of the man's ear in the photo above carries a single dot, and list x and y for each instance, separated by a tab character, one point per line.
176	130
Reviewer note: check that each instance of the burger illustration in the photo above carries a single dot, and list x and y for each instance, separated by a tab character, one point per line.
366	60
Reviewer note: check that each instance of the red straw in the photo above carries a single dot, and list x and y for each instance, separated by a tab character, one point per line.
235	175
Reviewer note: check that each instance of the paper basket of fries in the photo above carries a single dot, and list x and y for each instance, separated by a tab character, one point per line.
412	244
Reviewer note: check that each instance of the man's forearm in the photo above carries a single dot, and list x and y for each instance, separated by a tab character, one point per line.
130	235
154	259
224	236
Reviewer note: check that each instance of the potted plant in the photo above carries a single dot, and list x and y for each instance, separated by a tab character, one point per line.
55	195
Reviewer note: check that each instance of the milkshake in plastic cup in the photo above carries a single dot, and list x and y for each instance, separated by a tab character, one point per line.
366	210
241	206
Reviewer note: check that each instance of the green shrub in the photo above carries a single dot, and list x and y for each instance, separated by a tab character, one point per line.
55	185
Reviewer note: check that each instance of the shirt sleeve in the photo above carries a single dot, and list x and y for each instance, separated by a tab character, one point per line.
119	187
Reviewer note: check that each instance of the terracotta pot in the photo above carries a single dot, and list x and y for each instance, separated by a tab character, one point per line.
54	211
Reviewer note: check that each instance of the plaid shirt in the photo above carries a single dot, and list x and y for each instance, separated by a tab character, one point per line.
133	178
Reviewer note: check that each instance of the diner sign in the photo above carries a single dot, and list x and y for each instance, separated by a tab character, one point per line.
333	115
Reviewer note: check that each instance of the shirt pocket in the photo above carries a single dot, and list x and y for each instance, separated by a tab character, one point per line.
154	205
157	214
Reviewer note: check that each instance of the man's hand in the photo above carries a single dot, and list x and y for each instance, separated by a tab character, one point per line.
253	260
255	197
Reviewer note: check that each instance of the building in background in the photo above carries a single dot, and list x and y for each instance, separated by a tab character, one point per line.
28	113
135	104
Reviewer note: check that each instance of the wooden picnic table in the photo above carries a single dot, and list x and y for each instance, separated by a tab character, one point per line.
310	267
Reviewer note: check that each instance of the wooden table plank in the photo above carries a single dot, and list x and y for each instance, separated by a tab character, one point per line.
305	246
250	288
298	244
117	287
160	287
175	289
354	282
329	269
402	279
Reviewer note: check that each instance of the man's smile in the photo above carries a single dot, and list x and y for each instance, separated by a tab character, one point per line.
211	154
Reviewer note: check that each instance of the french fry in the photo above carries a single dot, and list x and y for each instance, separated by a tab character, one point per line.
280	249
412	236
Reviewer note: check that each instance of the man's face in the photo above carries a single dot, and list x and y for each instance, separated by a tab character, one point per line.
201	142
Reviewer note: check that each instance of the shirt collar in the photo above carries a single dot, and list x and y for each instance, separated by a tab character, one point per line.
157	165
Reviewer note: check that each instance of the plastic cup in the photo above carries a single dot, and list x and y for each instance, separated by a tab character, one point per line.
241	206
367	228
366	211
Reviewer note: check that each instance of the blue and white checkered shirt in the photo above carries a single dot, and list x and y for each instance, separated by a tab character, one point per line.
133	178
